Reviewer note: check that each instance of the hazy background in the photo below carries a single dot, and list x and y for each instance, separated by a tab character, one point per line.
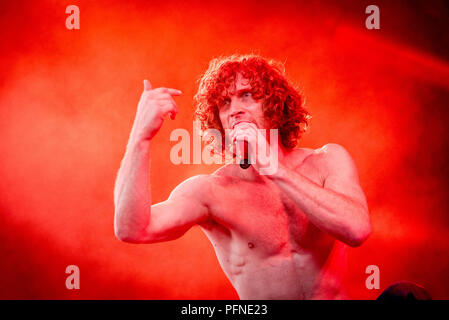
68	101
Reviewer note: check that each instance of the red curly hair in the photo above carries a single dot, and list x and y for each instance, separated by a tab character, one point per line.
282	104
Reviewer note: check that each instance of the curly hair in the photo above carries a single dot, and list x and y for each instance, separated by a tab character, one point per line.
282	104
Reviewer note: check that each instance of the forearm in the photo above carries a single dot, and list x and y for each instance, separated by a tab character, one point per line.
332	212
132	196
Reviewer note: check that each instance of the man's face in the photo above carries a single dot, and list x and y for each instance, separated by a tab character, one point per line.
239	106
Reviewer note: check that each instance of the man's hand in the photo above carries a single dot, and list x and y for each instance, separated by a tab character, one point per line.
154	104
263	156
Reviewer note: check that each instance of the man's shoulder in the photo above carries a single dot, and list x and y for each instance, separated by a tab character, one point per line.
226	170
329	151
333	151
334	158
197	186
191	187
324	156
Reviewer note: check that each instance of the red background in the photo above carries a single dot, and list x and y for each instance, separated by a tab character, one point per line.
68	100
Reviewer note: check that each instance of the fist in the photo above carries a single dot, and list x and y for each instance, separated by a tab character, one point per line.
262	154
153	106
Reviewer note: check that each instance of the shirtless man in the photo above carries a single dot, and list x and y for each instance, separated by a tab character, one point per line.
278	236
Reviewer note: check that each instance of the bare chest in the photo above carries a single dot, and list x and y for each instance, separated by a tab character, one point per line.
254	216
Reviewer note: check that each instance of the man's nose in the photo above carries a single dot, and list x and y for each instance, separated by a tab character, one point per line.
236	108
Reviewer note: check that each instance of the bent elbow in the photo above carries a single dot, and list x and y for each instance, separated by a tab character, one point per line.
124	232
359	236
356	241
134	236
121	235
126	236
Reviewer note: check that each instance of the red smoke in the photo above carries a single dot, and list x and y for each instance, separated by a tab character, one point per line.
68	99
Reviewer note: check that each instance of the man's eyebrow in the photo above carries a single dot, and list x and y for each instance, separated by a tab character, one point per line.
244	90
237	93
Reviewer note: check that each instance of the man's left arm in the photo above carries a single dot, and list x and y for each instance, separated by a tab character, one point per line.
339	207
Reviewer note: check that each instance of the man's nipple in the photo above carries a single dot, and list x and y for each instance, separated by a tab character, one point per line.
250	245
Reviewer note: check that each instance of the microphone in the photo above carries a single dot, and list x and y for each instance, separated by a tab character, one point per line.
242	153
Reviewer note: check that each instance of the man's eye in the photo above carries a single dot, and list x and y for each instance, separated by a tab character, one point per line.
247	94
225	102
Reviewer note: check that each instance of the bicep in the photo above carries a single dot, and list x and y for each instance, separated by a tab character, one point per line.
172	218
342	176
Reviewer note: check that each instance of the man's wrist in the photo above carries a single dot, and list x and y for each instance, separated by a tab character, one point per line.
137	141
137	137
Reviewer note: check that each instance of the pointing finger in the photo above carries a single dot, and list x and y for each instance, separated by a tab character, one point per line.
173	92
146	85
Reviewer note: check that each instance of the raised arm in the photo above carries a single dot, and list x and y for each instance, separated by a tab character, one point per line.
136	219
